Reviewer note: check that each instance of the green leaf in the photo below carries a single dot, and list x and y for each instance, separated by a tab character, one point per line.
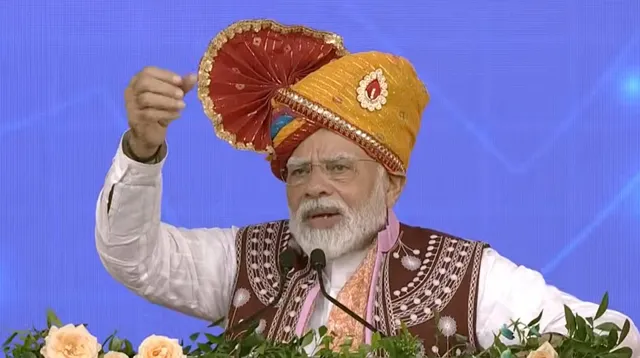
194	337
128	348
624	352
498	343
612	339
186	350
535	321
204	347
533	342
213	339
581	328
307	339
10	339
603	306
107	341
506	354
583	348
115	345
570	319
608	326
625	331
28	341
52	319
322	331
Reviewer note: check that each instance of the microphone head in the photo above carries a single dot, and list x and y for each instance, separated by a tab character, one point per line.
318	259
287	260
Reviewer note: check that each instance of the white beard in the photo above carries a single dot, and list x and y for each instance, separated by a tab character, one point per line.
354	232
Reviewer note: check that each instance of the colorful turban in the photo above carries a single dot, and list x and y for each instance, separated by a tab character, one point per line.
267	87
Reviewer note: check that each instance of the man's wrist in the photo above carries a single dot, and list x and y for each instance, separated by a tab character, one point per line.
152	156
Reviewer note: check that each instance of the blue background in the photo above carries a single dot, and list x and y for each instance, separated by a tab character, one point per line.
531	141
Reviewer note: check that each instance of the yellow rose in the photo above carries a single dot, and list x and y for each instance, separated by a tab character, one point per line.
115	355
545	351
70	342
160	347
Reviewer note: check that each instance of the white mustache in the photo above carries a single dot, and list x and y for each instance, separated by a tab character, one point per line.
309	206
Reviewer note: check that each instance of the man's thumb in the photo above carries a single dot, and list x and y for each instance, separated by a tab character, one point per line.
188	82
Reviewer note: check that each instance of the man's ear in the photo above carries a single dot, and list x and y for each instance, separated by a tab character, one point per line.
396	184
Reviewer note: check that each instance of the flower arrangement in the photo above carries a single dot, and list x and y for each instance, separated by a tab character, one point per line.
583	339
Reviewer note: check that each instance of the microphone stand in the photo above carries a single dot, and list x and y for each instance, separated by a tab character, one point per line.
319	262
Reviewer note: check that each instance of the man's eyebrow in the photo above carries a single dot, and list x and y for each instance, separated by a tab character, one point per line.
341	156
296	161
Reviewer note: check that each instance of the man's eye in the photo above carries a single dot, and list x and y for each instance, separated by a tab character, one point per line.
336	168
298	172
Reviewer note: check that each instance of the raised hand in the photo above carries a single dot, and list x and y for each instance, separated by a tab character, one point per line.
154	99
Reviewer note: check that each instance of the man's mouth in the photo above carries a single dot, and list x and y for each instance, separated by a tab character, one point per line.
322	213
322	218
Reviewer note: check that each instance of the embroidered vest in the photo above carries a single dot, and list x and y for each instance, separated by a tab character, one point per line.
424	273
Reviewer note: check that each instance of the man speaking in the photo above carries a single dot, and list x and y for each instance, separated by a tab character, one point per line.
338	129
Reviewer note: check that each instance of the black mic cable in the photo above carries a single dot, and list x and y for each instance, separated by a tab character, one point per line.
286	263
318	263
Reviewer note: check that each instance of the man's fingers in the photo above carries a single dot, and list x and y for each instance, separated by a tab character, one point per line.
188	82
154	85
158	115
162	75
157	101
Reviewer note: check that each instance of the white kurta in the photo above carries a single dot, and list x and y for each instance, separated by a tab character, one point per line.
192	270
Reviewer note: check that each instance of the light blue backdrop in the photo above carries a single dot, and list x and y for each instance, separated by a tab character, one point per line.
532	140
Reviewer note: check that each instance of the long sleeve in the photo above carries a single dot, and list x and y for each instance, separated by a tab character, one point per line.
191	271
507	292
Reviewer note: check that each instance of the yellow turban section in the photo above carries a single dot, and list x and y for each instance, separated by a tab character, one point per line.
373	98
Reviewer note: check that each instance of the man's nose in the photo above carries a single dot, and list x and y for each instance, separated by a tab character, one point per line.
318	184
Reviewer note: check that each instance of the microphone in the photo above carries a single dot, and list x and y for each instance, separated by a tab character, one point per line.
287	261
318	263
